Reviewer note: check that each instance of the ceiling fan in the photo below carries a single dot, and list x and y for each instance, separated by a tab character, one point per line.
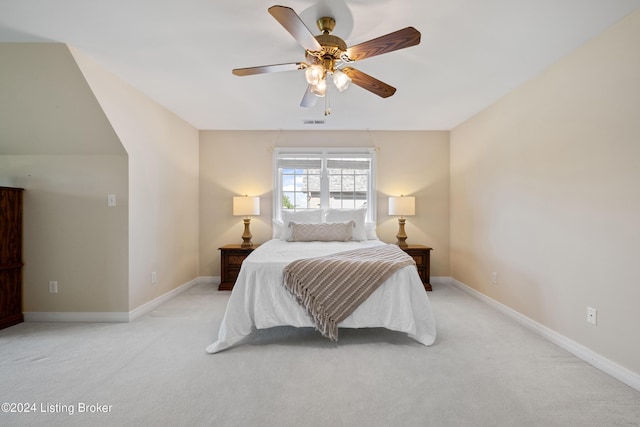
328	55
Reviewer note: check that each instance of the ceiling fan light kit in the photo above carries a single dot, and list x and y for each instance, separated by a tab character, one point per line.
314	74
327	54
341	80
319	89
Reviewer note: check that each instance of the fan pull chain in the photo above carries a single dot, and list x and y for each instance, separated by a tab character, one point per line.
327	104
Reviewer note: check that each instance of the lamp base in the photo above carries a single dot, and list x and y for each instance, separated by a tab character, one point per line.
401	236
246	236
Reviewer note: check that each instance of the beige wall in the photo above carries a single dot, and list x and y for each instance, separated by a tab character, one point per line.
163	185
235	163
70	234
544	191
46	106
63	126
56	143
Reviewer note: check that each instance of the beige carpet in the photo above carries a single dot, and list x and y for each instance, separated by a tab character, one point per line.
483	370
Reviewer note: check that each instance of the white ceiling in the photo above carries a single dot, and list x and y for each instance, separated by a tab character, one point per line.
181	53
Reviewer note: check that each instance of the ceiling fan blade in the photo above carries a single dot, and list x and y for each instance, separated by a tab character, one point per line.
291	22
369	83
394	41
269	69
308	100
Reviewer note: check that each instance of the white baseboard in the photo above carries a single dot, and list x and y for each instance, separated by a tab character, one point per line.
618	372
156	302
209	280
439	280
114	317
77	317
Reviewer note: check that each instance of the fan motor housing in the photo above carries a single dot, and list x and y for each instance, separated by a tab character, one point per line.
329	40
332	47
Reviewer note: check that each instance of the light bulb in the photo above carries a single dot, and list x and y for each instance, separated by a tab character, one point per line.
314	74
341	80
319	89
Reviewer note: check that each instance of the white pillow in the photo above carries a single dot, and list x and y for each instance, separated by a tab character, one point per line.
311	216
371	230
277	227
345	215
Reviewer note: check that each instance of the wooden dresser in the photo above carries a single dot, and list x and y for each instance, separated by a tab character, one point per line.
231	258
10	256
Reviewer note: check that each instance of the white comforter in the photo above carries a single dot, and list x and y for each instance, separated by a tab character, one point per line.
259	300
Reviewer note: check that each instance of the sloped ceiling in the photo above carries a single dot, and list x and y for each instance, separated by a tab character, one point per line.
181	54
46	105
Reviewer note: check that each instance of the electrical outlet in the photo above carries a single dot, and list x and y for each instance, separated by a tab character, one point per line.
154	277
494	278
53	287
592	315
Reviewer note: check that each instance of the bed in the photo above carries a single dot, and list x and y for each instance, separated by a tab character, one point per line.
259	300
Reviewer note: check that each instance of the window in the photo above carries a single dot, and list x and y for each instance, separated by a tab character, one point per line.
324	178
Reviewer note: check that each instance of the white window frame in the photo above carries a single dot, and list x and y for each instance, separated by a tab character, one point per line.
368	153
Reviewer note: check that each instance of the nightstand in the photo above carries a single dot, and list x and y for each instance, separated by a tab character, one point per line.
421	255
231	258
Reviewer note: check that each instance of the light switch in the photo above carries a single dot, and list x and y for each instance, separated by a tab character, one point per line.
111	200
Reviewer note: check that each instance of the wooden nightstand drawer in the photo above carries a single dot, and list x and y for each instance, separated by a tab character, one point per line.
421	255
236	259
231	258
419	259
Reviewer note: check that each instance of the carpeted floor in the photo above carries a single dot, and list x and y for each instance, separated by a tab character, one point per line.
483	370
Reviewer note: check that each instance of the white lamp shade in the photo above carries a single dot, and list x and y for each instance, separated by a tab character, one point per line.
403	205
246	206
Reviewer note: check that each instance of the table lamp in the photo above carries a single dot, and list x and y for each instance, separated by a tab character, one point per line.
246	206
402	206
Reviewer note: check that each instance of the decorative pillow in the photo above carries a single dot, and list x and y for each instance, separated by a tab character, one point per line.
324	232
355	215
310	216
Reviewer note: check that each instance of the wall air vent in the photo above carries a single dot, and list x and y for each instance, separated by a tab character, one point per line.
313	122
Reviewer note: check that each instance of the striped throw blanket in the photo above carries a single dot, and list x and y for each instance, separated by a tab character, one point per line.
331	287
